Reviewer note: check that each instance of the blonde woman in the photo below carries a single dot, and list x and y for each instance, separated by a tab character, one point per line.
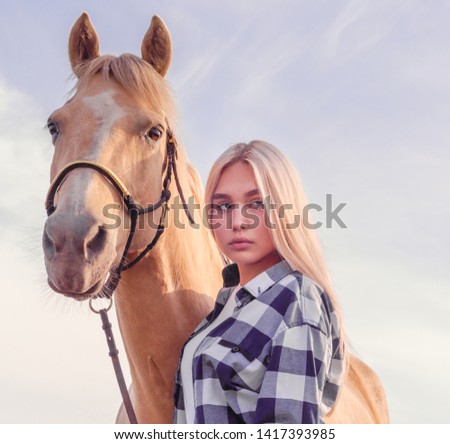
272	349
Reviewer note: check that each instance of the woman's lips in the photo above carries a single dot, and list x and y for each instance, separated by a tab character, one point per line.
240	244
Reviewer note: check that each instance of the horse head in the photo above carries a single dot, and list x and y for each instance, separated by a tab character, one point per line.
118	120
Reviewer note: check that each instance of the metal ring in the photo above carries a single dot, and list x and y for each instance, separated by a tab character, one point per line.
98	311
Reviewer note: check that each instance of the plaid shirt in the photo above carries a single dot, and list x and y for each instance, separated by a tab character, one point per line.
275	360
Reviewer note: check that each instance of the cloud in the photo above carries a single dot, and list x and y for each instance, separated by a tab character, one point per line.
24	147
358	28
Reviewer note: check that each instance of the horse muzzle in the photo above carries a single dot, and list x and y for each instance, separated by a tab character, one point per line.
78	253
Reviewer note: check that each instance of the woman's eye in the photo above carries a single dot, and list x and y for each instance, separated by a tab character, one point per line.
256	205
154	133
223	206
53	129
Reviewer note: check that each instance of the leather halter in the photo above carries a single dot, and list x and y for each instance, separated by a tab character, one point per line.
134	212
133	209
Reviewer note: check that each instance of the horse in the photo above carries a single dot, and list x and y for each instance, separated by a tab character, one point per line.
114	134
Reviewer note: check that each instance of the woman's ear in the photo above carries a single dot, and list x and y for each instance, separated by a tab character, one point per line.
156	46
83	42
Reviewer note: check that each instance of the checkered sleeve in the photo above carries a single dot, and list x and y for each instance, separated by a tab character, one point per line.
292	387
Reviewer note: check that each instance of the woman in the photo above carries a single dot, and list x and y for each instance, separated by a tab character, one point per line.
272	349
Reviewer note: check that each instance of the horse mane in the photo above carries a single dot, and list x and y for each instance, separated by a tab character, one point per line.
135	76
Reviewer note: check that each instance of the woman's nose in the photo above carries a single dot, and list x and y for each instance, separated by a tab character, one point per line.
241	218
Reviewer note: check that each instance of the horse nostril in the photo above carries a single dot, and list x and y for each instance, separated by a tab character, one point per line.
48	245
97	243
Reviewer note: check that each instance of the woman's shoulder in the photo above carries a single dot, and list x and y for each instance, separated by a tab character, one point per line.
310	304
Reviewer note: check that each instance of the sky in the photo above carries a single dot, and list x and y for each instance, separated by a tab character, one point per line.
355	93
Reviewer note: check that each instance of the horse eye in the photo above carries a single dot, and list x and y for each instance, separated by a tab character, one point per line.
53	129
154	133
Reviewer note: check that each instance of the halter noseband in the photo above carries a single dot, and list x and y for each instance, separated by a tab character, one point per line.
134	210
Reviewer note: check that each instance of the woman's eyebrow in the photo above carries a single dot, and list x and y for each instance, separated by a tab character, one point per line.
220	196
227	196
252	192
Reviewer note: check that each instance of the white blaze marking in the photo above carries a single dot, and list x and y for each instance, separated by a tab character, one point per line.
108	112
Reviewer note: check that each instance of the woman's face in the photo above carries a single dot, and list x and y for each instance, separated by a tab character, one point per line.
237	218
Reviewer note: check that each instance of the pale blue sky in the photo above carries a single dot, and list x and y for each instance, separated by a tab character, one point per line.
356	93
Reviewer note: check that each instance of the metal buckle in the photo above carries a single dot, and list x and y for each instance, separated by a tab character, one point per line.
91	306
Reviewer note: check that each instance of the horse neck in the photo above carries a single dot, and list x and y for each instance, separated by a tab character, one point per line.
183	269
183	250
185	261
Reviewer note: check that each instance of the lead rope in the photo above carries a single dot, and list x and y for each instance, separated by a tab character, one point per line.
114	354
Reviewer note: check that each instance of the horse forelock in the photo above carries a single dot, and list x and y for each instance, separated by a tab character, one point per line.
135	76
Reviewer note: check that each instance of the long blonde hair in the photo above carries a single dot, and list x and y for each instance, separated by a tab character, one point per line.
277	179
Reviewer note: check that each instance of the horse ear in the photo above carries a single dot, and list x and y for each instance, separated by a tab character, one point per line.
83	42
156	46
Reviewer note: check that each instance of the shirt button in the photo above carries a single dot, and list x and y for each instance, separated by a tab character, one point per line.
235	349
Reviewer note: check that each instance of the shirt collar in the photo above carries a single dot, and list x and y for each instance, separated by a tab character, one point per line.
259	284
